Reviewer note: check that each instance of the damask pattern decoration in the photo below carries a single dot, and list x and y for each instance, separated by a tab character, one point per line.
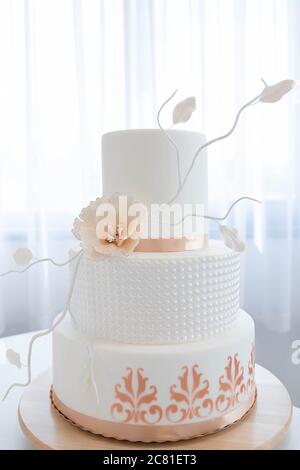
190	397
231	385
136	400
251	370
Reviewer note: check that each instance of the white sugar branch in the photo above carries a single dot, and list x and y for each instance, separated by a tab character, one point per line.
172	142
218	219
44	260
270	94
49	330
213	141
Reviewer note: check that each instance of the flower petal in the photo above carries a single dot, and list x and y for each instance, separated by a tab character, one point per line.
76	228
129	245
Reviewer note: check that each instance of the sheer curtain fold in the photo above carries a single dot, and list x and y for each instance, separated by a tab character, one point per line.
73	69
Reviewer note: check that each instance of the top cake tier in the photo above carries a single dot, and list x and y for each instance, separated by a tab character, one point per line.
143	163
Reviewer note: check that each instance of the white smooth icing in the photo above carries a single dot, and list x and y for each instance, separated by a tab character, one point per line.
156	298
142	163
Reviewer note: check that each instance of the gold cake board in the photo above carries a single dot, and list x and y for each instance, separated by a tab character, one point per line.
263	428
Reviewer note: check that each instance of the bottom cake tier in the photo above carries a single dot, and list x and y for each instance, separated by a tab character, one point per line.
154	393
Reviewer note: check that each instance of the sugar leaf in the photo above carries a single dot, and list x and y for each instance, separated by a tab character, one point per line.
22	256
183	110
13	358
274	93
232	238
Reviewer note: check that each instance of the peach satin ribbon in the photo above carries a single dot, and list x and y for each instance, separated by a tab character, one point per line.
171	244
152	433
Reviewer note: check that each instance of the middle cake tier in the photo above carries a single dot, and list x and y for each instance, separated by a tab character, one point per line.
158	298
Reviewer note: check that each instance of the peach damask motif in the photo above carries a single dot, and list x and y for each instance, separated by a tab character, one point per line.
231	385
251	370
136	400
190	394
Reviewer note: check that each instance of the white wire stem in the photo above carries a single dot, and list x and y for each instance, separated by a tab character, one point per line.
44	260
48	331
172	142
219	219
264	81
93	380
231	207
210	142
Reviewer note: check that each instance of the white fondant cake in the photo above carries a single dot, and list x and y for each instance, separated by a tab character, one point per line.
155	347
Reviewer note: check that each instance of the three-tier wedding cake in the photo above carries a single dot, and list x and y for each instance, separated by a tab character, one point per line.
156	347
152	344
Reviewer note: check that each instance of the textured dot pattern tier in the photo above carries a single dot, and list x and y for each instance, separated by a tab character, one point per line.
158	298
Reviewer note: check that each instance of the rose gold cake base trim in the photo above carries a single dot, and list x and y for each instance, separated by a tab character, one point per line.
263	428
152	433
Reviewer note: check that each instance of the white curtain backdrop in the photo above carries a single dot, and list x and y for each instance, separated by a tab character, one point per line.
73	69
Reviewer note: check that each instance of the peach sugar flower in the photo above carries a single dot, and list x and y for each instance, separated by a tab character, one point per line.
116	239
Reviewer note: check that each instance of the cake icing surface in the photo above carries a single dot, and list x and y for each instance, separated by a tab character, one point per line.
142	162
